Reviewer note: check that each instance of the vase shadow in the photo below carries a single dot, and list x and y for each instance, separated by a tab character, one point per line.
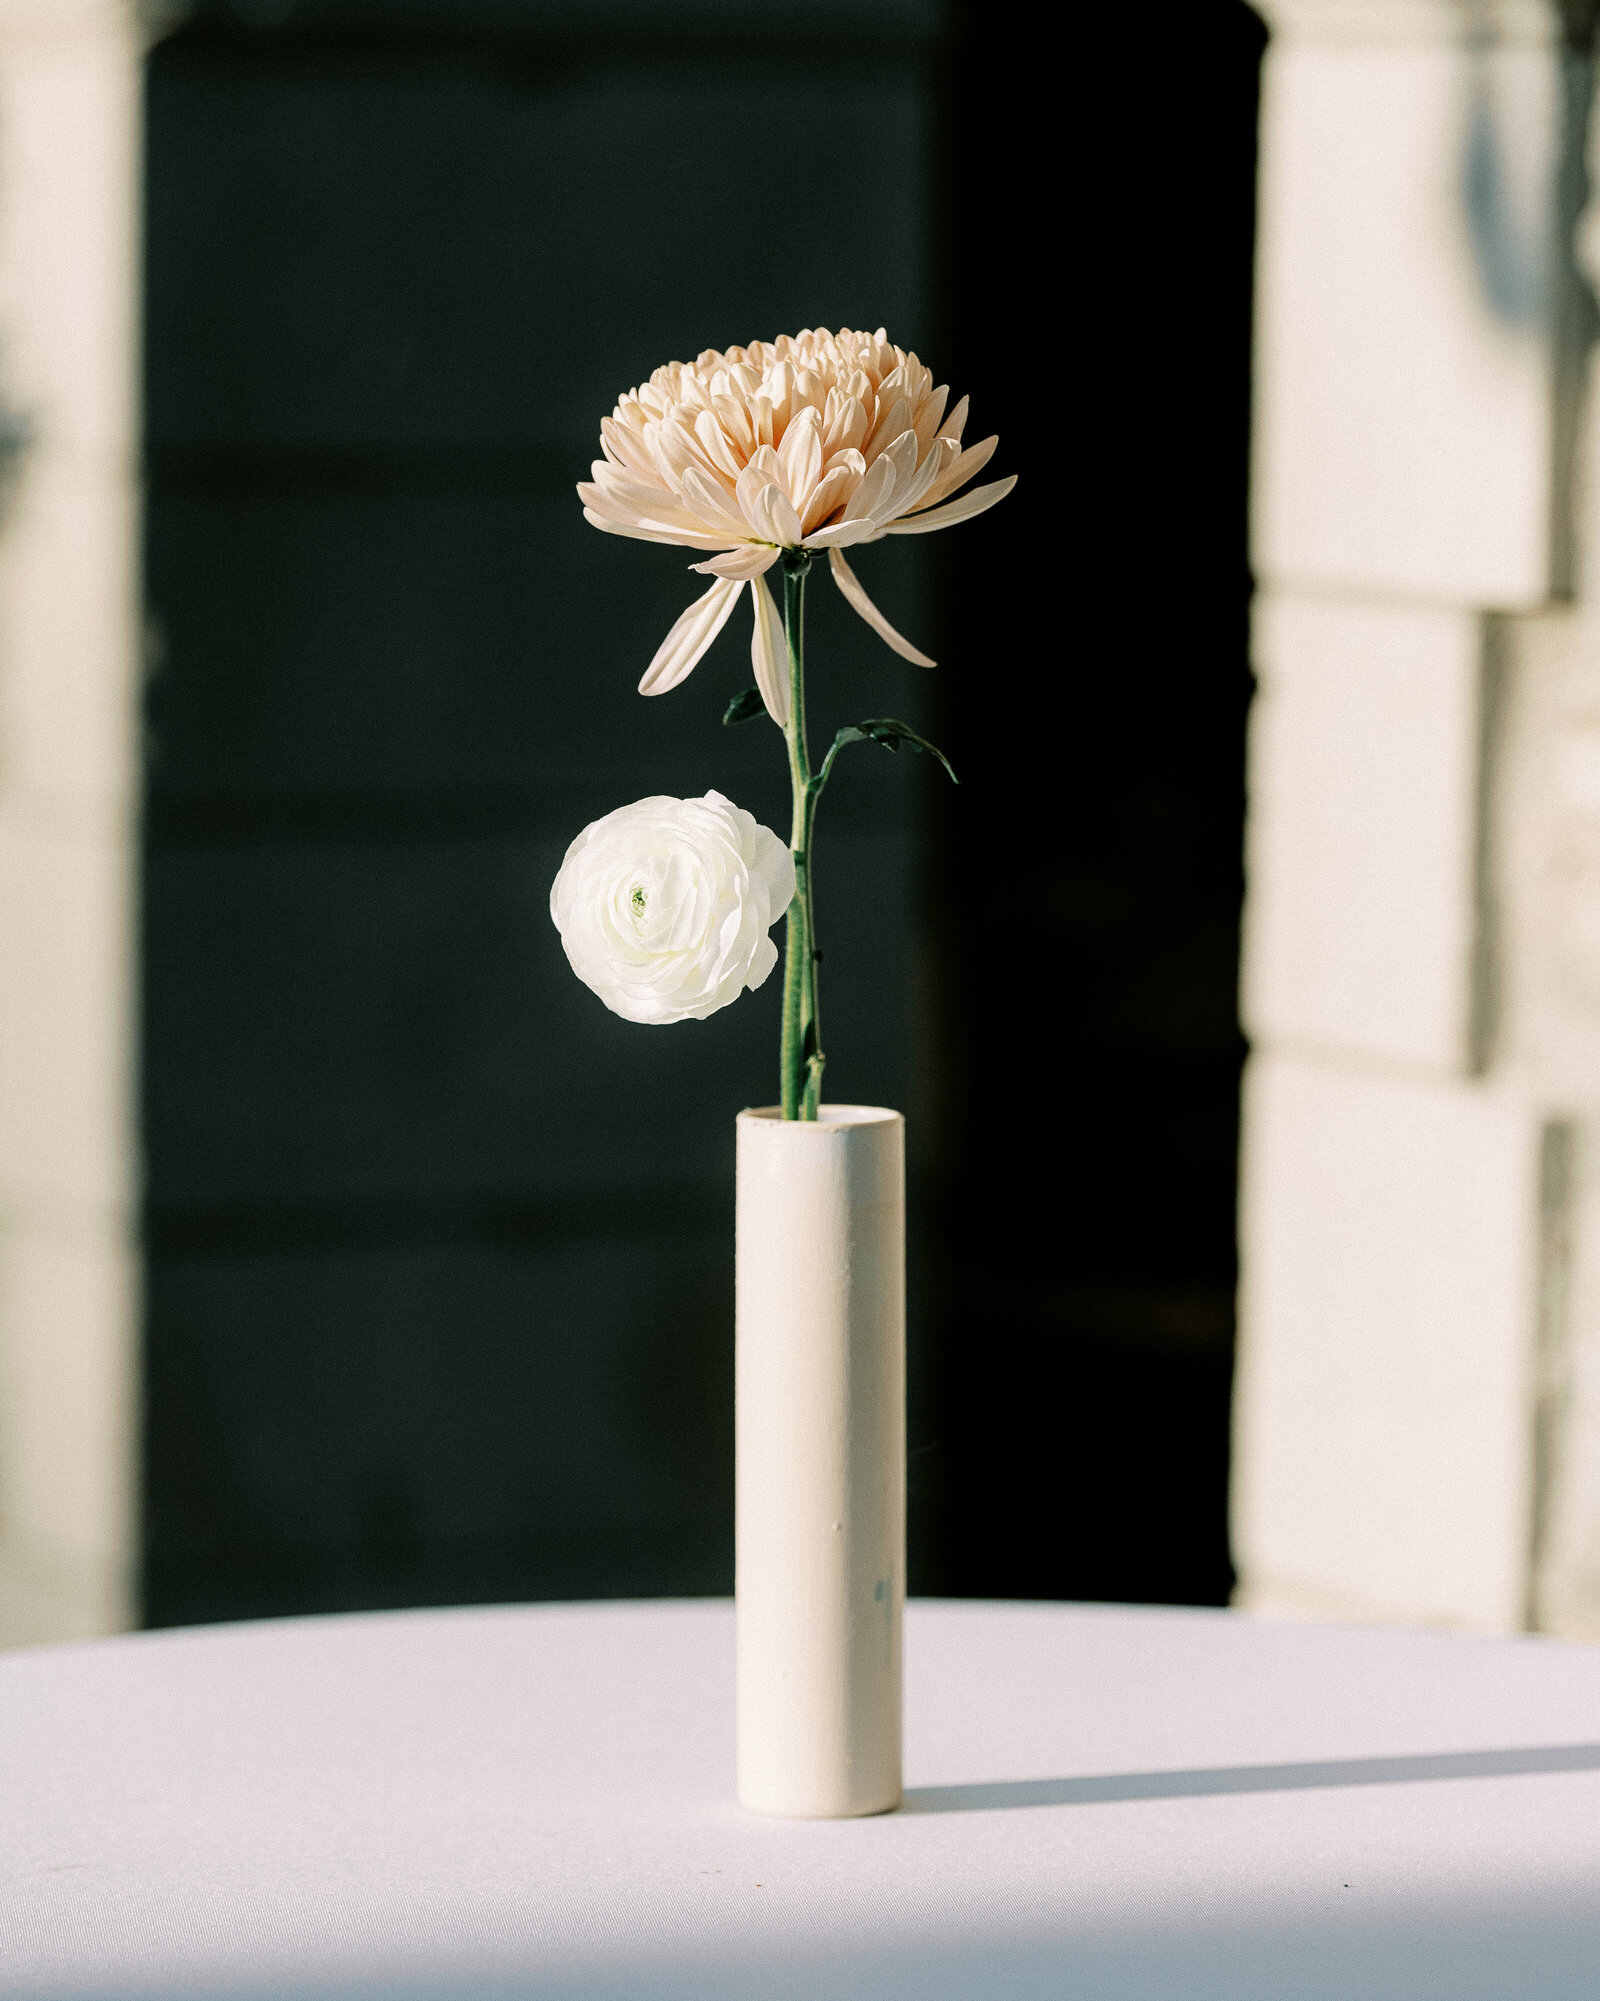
1210	1782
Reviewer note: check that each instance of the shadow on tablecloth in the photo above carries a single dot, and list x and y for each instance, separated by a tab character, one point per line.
1210	1782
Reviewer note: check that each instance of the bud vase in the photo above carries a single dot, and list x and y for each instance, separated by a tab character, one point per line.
820	1460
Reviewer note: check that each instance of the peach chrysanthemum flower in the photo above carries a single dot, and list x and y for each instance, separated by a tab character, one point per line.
813	441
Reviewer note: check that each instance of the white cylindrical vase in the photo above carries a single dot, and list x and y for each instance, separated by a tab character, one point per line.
820	1451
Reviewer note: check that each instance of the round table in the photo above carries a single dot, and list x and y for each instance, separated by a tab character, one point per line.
537	1801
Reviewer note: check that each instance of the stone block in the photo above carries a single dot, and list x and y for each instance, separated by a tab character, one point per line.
68	1393
67	660
65	1017
1361	843
69	144
1383	1405
1404	365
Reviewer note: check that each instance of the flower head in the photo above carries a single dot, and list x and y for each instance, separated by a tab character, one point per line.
664	906
814	441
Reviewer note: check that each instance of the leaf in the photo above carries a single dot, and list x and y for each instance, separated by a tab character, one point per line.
888	731
744	707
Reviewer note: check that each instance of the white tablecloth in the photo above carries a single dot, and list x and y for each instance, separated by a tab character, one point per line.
538	1802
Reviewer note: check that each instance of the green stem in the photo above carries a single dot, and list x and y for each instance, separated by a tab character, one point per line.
801	1059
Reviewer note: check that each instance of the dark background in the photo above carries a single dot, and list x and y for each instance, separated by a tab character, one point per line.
440	1274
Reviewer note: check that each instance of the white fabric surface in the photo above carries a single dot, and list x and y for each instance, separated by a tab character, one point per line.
538	1801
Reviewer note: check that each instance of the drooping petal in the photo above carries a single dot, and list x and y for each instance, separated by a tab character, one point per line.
857	598
681	650
748	560
769	653
978	501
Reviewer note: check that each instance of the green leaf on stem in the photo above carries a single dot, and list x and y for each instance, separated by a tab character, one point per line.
744	708
888	731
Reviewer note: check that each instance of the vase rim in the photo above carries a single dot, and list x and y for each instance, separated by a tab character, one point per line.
829	1117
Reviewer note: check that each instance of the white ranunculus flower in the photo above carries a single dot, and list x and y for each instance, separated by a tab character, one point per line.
664	906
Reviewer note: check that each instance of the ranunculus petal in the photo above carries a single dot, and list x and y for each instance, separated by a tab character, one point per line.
766	957
978	501
664	906
850	584
769	653
693	632
773	862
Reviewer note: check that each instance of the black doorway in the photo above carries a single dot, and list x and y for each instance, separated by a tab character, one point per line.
439	1293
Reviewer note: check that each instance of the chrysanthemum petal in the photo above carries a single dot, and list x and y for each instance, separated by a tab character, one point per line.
672	537
857	598
711	502
848	429
978	501
818	438
842	535
964	466
913	487
768	508
873	494
901	458
769	653
892	422
930	414
625	448
748	560
630	500
693	632
800	456
828	494
714	442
